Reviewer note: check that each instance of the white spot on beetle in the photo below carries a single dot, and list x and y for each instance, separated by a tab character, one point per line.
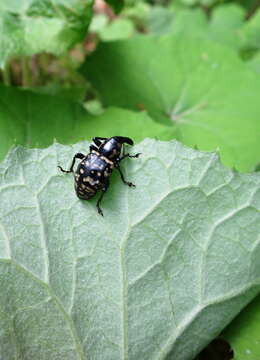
89	180
89	189
107	160
86	179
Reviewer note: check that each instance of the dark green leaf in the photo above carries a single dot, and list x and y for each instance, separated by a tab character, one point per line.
188	83
35	120
117	5
243	334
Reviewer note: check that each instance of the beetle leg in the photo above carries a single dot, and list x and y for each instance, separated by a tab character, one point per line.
98	140
93	147
101	197
128	155
122	177
77	156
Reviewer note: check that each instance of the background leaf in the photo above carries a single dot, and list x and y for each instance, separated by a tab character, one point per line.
180	21
226	24
165	270
189	84
252	32
244	333
35	120
118	29
30	27
117	5
254	63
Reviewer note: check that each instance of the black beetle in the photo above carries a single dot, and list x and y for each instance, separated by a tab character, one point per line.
95	168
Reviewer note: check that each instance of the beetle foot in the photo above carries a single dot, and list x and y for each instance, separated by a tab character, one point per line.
130	184
100	211
65	171
136	155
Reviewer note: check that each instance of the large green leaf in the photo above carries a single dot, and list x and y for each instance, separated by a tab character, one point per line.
226	24
35	120
33	26
160	20
243	334
118	29
161	274
202	88
254	63
163	20
251	32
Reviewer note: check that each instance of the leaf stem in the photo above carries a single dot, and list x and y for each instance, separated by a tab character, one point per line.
26	72
6	74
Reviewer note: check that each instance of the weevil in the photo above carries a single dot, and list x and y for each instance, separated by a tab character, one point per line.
95	168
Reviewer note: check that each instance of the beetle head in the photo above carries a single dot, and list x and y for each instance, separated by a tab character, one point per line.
111	148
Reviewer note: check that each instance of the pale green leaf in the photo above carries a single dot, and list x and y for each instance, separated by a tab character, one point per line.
254	63
117	29
98	22
160	20
191	22
251	32
158	277
226	24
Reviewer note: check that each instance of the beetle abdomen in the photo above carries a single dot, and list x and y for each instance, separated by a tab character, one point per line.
90	176
84	189
85	195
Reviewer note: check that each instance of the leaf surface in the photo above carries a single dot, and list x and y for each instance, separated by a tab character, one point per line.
225	24
188	83
254	63
251	32
35	120
30	27
118	29
158	277
244	333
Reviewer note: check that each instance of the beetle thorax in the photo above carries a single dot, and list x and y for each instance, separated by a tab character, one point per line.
111	149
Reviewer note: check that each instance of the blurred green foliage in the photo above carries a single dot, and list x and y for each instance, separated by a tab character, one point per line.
30	27
189	84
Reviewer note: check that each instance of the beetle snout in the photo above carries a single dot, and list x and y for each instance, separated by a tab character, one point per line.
122	140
